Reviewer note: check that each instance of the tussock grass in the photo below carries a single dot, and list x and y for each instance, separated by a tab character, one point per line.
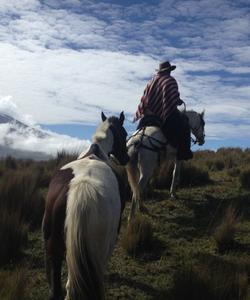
190	175
138	236
19	193
209	278
234	172
245	179
13	236
12	284
224	234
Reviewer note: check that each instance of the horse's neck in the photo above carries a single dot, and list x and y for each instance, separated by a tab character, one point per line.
104	139
105	149
105	146
192	120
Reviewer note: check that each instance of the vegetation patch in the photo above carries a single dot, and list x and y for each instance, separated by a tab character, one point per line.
225	232
13	284
138	237
245	179
209	278
156	267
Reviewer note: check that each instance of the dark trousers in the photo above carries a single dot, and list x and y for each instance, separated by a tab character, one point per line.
177	131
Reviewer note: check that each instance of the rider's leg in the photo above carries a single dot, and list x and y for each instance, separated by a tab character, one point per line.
184	150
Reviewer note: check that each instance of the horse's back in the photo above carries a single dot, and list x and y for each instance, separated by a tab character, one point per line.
95	188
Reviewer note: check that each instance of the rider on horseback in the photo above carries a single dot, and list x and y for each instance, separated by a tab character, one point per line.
161	98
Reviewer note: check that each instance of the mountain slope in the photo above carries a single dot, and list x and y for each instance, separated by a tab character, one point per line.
13	130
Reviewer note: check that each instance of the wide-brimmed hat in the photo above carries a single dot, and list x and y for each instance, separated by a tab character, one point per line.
165	66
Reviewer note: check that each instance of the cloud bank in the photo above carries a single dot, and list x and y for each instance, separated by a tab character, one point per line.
32	137
65	61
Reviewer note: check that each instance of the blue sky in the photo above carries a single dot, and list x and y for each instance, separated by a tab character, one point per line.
63	62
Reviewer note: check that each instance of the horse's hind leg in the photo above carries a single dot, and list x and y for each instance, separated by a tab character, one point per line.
53	263
54	251
146	168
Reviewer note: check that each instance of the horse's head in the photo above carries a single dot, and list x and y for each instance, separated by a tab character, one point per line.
197	125
119	148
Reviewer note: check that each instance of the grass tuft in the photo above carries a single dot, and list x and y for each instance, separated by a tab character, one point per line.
13	236
245	179
209	278
225	232
12	284
138	236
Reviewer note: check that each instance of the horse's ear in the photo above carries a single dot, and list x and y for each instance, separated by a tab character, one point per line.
103	117
203	113
122	117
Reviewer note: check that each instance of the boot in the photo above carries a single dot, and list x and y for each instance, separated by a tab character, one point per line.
184	152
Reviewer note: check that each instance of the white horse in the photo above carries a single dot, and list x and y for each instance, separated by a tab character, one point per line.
85	198
146	148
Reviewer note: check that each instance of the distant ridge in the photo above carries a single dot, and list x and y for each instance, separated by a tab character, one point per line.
22	130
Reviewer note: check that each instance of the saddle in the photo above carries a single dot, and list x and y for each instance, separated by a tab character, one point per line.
150	120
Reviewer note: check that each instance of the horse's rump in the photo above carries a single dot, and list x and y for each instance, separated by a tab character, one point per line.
92	220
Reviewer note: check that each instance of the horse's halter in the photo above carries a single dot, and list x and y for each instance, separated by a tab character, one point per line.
119	149
196	130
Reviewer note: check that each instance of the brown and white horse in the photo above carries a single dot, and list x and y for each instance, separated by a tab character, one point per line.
82	214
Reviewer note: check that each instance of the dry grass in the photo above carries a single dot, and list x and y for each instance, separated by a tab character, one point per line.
12	284
210	278
245	179
13	236
138	236
225	232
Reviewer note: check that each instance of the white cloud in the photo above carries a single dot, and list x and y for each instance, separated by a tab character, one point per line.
8	107
64	61
51	144
32	137
227	131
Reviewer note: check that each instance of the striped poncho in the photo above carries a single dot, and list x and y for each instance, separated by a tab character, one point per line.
160	97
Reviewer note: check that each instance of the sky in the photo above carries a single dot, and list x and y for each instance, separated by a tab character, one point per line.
64	61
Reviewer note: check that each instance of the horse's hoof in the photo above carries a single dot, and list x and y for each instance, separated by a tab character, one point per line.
173	197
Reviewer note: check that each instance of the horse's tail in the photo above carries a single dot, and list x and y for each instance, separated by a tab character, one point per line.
84	274
133	171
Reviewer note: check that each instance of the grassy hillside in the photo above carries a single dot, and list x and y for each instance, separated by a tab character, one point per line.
197	246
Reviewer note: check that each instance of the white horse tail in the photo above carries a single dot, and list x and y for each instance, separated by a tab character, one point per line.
85	274
133	172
